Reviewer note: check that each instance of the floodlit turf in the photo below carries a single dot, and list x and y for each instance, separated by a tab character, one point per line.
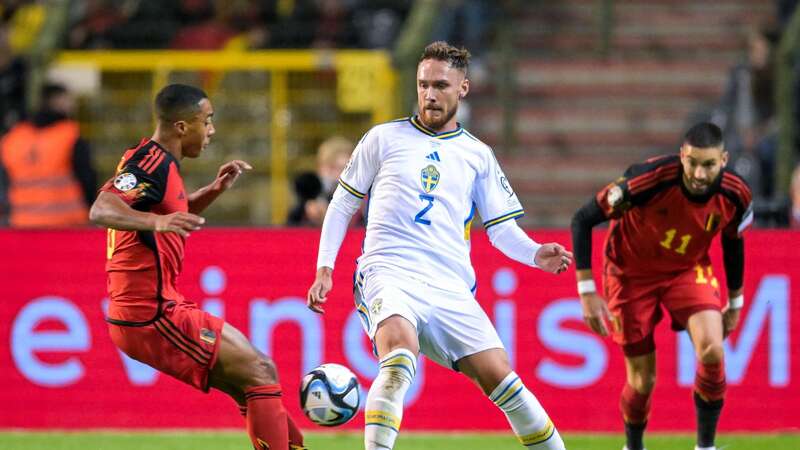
351	441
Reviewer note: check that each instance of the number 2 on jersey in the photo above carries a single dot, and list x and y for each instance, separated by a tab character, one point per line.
419	217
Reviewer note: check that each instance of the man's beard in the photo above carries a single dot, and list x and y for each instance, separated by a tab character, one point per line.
435	124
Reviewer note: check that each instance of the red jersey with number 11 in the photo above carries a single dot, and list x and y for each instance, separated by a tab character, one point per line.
659	228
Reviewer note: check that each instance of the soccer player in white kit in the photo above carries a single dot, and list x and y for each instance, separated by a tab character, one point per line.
426	177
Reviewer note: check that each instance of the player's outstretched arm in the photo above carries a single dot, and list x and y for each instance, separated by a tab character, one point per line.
110	211
553	257
227	175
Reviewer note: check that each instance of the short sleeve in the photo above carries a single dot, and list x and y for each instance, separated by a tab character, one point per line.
494	197
637	185
141	180
358	174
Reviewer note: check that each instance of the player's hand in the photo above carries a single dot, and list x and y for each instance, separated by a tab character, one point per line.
317	294
595	313
730	320
553	258
178	222
229	172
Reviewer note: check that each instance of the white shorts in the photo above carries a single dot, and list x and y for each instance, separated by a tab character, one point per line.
450	325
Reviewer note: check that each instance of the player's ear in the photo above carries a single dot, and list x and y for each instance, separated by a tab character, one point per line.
724	158
463	90
180	127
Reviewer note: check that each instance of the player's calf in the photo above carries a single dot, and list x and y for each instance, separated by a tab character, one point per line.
709	394
384	409
528	419
241	367
635	407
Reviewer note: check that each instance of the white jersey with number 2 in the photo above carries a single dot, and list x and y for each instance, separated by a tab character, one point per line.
423	190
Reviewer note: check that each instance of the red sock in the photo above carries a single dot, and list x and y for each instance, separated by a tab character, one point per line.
635	406
295	435
266	418
243	411
709	382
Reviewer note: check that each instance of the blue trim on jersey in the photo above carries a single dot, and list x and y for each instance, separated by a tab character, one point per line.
512	215
471	214
415	122
474	287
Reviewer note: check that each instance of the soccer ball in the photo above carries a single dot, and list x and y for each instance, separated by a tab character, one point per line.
329	395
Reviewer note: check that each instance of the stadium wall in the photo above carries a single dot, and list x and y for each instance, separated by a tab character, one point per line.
58	368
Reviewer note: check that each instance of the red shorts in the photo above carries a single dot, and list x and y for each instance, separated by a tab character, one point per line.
183	342
635	305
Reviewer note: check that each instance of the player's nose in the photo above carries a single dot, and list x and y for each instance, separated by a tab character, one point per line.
700	173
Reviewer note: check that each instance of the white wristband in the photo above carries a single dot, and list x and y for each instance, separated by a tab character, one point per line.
736	302
586	287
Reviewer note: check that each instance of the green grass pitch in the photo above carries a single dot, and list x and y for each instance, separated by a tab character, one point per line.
188	440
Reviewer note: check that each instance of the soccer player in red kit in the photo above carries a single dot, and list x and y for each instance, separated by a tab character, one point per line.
149	217
664	215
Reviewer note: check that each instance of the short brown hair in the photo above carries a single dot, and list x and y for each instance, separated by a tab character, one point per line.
458	58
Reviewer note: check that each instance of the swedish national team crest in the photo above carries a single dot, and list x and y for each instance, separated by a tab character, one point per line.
429	178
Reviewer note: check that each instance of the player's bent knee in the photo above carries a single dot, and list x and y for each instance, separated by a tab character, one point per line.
265	371
643	383
711	353
395	333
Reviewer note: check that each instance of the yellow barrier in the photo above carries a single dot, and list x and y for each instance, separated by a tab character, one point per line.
307	96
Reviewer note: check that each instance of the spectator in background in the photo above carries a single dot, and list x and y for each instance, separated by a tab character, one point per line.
92	21
311	204
211	34
126	24
12	84
47	166
379	22
332	156
334	28
315	190
746	113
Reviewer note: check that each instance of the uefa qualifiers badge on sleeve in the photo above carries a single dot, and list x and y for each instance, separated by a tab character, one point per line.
125	181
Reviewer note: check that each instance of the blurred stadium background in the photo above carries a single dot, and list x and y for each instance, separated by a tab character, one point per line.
568	93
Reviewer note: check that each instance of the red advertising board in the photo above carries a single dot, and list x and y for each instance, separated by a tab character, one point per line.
59	369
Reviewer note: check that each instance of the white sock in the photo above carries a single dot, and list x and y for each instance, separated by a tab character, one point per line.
526	415
704	448
384	409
